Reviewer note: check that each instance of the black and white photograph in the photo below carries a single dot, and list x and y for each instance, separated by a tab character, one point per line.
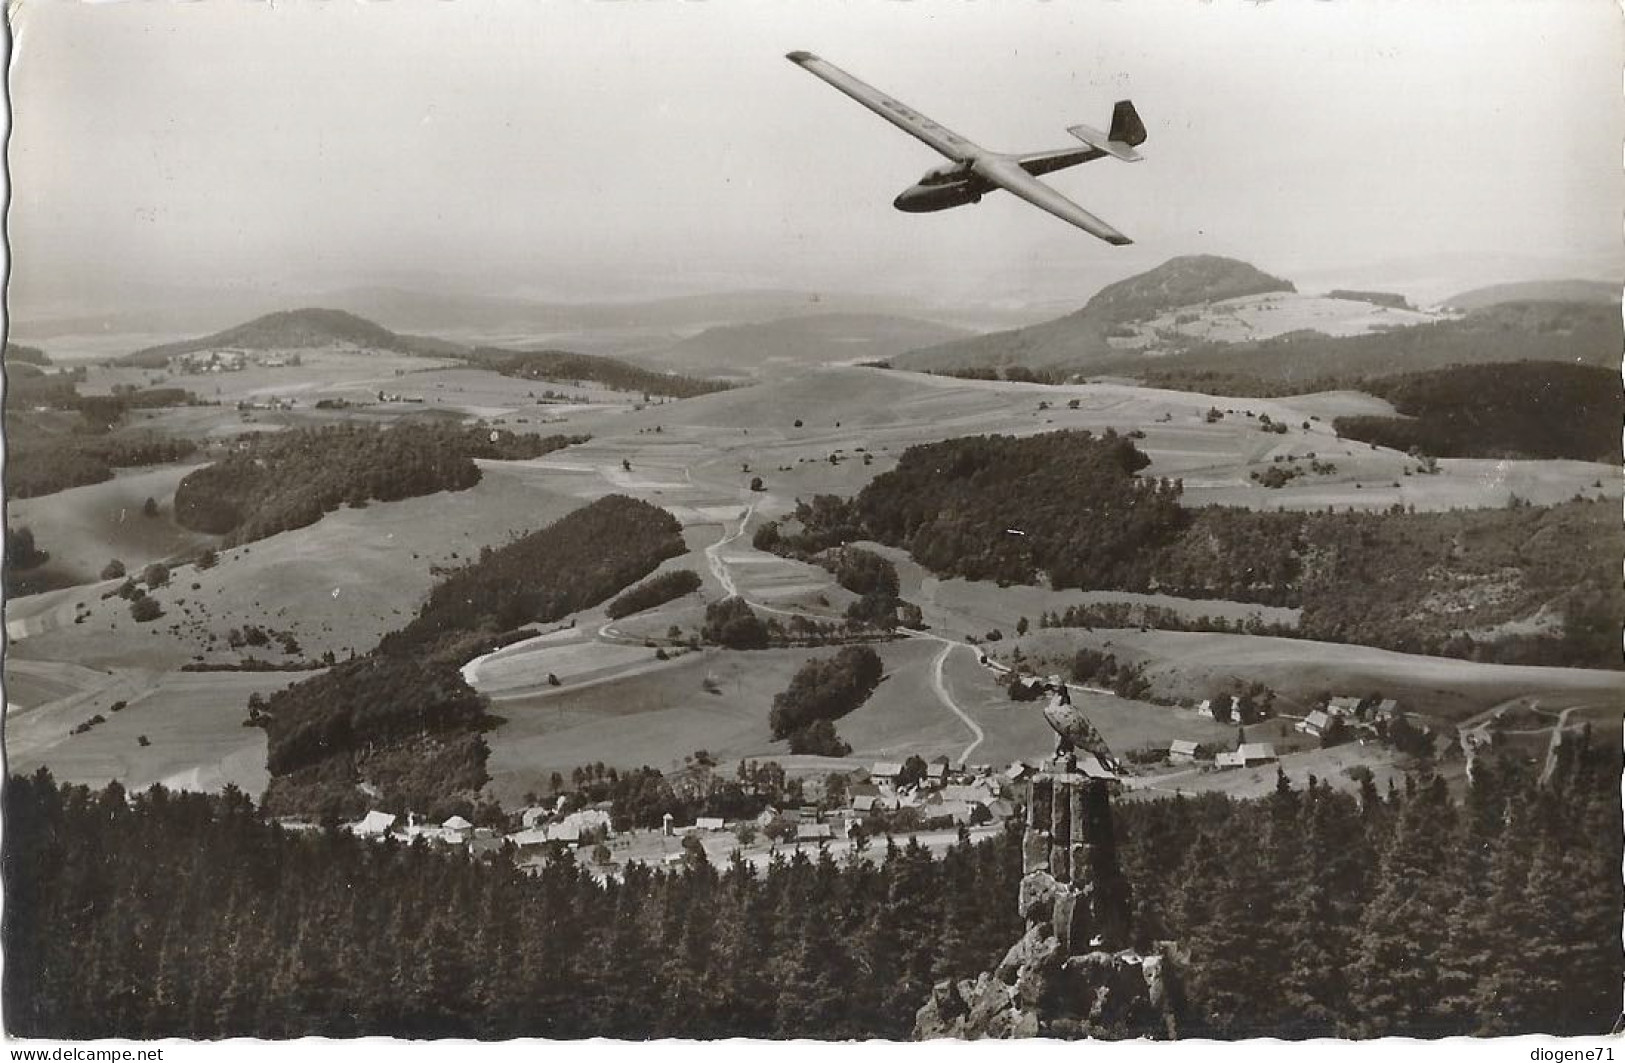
866	521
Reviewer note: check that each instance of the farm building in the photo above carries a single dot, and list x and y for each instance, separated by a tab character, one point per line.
458	829
529	841
1342	706
1229	760
709	823
1315	723
814	832
374	825
1252	753
886	771
1181	751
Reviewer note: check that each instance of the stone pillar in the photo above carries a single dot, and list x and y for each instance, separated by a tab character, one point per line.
1060	829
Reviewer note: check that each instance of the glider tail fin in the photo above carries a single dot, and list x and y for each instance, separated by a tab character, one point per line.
1127	131
1126	125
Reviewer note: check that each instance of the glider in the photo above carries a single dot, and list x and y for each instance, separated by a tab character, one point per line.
972	171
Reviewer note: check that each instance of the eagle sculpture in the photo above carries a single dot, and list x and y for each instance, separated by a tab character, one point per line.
1074	731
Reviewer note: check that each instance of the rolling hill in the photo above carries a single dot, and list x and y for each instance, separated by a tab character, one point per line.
297	330
1601	293
817	339
1204	316
1082	338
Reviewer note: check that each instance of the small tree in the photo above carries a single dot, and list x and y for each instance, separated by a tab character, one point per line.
756	484
149	508
145	609
114	569
155	575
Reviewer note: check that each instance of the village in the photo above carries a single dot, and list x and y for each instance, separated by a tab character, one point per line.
934	803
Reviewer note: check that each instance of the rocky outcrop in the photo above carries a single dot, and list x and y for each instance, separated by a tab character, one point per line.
1071	974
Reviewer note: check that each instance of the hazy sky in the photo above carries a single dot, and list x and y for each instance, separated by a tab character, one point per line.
604	149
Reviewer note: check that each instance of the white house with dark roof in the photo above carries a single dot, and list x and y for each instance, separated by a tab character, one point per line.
1316	723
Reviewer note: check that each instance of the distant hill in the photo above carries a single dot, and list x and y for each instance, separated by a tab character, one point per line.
17	353
1573	333
816	339
1564	291
1389	299
569	367
1184	281
298	330
1081	339
1207	318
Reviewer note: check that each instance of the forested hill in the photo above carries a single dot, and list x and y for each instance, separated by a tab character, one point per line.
280	481
1065	508
1080	339
1309	913
1506	410
573	563
17	354
402	719
1183	281
297	330
613	373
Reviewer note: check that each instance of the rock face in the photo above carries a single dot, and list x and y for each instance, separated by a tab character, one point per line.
1071	974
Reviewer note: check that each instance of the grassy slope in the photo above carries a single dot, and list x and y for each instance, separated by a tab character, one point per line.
85	527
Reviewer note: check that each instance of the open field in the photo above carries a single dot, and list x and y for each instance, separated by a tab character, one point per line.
337	585
1197	664
1326	765
656	716
193	722
341	583
83	528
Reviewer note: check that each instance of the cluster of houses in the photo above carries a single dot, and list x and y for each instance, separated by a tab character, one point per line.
1347	709
541	826
1246	755
945	796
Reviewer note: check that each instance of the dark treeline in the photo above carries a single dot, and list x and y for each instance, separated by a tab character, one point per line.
274	483
610	372
351	721
45	464
1307	913
572	564
1508	410
823	690
401	718
1066	504
1065	508
666	587
1313	913
184	914
48	449
24	355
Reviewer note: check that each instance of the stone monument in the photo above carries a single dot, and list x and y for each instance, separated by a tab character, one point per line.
1074	972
